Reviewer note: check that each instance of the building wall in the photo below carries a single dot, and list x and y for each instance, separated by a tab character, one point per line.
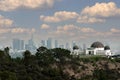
96	51
108	52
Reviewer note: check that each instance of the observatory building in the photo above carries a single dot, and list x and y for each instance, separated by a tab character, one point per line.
97	48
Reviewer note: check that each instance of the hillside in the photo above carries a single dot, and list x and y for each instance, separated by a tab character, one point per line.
57	64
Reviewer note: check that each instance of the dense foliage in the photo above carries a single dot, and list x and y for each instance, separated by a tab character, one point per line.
54	64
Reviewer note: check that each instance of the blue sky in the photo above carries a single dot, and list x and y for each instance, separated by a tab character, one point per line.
85	21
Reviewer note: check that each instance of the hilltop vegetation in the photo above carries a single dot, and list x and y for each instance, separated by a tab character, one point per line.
56	64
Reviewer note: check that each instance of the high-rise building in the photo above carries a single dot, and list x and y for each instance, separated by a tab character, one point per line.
30	46
49	43
18	44
67	46
22	44
61	46
43	43
73	44
56	44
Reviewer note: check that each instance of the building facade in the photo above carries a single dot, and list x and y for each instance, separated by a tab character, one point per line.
97	48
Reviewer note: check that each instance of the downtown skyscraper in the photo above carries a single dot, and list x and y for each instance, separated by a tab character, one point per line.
18	44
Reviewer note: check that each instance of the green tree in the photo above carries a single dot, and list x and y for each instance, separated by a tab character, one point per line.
44	56
6	52
61	54
27	54
40	50
27	57
6	75
2	55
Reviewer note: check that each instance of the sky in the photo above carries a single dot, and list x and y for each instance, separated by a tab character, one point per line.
85	21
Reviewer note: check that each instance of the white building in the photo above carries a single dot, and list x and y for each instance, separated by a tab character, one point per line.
97	48
76	51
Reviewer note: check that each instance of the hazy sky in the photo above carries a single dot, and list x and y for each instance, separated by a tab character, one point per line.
85	21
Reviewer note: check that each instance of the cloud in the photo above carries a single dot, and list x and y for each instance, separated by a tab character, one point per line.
72	30
67	27
22	30
16	30
33	30
3	31
19	30
87	30
114	30
59	16
4	22
90	14
86	19
98	13
45	26
6	26
72	27
8	5
102	10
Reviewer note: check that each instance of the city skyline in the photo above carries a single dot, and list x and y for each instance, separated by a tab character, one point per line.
50	43
84	21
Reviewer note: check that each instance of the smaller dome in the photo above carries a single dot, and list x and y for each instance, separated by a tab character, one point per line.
97	45
106	48
75	47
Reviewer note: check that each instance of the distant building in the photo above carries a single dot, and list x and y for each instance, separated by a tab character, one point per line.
49	43
61	46
97	48
30	46
73	43
43	43
67	46
76	51
56	44
18	44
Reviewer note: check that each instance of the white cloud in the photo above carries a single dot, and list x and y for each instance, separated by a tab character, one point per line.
76	32
33	30
6	26
22	30
8	5
86	19
102	10
16	30
87	30
2	31
114	30
71	30
90	14
98	12
19	30
4	22
59	16
67	28
45	26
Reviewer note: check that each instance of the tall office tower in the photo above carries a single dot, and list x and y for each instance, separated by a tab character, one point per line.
18	44
56	44
30	46
73	43
30	42
43	43
49	43
61	46
67	46
22	44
